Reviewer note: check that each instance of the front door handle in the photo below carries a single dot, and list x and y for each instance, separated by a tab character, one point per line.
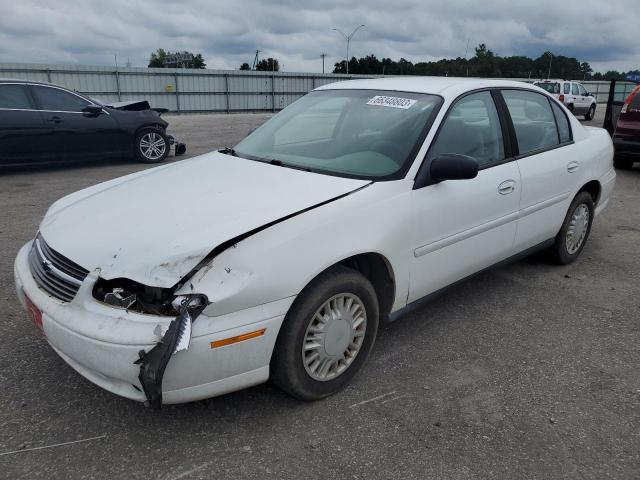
55	119
507	187
573	167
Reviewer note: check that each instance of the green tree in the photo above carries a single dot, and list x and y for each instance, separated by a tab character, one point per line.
268	65
586	70
245	66
158	59
484	63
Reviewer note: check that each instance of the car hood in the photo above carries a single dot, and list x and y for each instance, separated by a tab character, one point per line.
155	226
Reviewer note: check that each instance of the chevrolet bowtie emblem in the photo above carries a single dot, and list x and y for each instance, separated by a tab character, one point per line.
46	265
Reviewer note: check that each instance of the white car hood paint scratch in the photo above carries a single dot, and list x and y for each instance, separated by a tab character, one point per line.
155	227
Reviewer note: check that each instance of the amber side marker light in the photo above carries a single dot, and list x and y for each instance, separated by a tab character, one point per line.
239	338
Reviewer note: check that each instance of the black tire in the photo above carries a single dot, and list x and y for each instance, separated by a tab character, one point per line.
570	107
287	368
623	163
560	252
150	157
591	113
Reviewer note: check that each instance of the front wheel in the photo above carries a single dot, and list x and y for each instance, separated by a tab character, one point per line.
151	145
326	336
573	235
591	113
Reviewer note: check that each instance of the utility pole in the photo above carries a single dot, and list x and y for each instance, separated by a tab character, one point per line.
323	55
550	59
466	52
348	39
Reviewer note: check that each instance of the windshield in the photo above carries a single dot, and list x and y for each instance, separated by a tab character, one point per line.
551	87
354	133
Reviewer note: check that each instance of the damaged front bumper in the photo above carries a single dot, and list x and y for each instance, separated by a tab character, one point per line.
107	345
179	148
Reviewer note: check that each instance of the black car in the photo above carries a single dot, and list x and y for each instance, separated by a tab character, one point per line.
44	123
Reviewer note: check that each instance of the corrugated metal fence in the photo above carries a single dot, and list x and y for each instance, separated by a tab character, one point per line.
180	90
190	90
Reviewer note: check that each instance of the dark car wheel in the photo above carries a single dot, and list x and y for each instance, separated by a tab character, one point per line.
623	163
590	114
573	235
151	145
326	336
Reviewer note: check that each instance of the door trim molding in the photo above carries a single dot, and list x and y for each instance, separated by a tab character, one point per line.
460	236
485	227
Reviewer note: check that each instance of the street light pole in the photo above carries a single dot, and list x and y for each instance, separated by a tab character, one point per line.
348	39
550	60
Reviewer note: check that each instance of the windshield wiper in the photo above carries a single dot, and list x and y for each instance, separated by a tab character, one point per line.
229	151
280	163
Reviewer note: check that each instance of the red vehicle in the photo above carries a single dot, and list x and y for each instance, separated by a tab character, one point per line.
626	137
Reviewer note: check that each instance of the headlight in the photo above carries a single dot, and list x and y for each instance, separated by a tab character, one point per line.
133	296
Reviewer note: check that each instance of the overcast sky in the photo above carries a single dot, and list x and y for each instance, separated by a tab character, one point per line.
227	33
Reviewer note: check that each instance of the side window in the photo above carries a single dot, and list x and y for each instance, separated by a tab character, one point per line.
563	123
574	89
567	88
14	96
472	128
583	91
58	100
532	119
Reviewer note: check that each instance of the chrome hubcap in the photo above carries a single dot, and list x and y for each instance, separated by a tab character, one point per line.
577	230
334	337
152	146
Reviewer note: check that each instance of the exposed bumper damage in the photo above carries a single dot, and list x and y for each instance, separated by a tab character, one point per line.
156	301
154	362
179	148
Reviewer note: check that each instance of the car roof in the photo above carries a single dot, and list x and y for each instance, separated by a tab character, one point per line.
22	80
443	86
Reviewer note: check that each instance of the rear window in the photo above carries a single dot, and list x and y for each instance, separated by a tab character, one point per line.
563	123
634	99
14	96
551	87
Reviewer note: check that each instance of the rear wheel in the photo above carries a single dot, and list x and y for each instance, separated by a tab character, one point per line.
623	163
151	145
573	235
590	114
326	336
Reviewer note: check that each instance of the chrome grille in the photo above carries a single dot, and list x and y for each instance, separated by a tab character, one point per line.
53	272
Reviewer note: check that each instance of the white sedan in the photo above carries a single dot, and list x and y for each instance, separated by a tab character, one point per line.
278	258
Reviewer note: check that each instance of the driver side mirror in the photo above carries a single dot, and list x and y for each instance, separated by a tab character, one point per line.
447	166
92	110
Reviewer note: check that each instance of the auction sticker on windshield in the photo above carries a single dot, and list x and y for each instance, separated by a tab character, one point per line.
395	102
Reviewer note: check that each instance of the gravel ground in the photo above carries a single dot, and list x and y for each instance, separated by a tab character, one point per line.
527	371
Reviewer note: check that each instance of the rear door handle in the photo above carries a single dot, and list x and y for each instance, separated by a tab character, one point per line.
507	187
55	119
573	167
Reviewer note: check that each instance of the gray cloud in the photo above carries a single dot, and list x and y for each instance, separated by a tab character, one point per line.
227	33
